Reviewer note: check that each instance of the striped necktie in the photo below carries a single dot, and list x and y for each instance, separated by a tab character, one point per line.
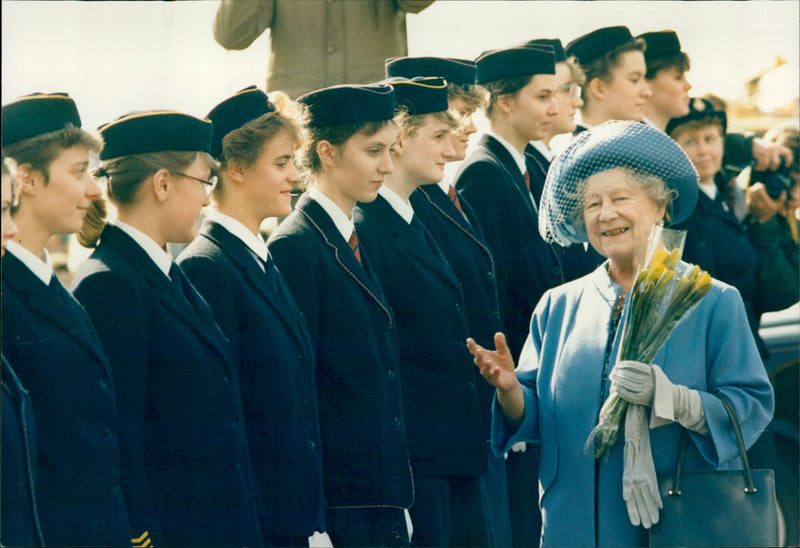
353	242
451	192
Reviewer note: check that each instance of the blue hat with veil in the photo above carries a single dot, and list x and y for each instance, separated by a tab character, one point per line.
616	143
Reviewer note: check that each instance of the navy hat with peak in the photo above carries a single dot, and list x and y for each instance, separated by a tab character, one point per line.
461	72
154	131
232	113
660	44
420	95
36	114
699	109
558	48
349	104
520	61
595	44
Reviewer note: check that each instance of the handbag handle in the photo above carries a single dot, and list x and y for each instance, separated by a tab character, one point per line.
749	487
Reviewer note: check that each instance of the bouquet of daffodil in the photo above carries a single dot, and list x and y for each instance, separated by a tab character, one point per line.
664	291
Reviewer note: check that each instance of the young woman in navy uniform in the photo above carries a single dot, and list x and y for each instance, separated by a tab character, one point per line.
495	179
19	517
453	224
366	471
521	83
576	260
445	425
614	65
186	471
255	140
47	336
667	66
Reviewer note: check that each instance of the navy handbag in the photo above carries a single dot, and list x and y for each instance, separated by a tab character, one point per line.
717	508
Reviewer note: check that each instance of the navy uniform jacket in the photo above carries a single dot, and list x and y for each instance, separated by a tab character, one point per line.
462	243
716	240
19	518
186	471
526	266
576	260
275	362
446	430
364	449
60	362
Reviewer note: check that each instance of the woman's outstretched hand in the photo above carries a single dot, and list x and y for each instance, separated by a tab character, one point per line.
496	366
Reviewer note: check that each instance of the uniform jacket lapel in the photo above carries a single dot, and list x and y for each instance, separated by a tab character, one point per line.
192	310
537	165
40	299
507	163
710	207
449	211
425	252
361	273
239	254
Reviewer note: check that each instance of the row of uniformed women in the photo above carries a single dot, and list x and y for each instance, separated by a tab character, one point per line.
237	403
183	419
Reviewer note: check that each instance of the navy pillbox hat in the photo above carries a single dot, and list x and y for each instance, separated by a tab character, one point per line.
558	48
37	114
461	72
594	45
232	113
660	44
420	95
520	61
349	104
699	109
154	131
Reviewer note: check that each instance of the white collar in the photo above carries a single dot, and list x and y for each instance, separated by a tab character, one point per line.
541	147
402	207
255	244
342	221
519	158
160	257
709	189
40	268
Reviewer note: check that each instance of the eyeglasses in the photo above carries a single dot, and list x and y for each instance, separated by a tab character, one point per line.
211	183
572	90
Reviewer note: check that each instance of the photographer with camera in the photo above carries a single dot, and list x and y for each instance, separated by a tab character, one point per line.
772	199
746	255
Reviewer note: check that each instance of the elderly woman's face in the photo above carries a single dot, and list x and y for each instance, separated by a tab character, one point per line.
619	215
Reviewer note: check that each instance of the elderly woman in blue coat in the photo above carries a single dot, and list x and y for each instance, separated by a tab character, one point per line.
611	187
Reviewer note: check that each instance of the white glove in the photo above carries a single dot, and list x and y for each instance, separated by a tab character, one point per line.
676	403
633	381
644	384
639	482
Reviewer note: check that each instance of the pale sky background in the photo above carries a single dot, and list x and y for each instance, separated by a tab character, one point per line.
114	57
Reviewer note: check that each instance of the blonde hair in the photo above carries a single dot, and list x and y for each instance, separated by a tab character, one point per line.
124	176
9	170
409	124
473	95
245	144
